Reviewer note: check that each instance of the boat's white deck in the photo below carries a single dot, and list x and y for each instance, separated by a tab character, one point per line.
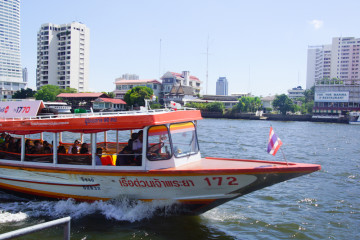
224	165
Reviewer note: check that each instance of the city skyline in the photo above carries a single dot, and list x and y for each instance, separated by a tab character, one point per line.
260	47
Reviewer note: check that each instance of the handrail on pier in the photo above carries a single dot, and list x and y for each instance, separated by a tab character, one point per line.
24	231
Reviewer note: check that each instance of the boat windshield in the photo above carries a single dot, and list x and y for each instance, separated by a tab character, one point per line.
184	140
159	147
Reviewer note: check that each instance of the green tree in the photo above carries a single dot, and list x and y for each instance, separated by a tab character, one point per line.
309	94
136	96
24	93
199	106
307	102
110	94
215	107
49	92
155	106
283	103
68	90
247	104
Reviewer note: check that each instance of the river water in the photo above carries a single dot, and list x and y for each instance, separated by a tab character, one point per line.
321	205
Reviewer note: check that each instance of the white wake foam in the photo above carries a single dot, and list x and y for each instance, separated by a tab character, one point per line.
120	210
11	217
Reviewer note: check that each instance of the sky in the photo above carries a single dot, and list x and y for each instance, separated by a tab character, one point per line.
259	46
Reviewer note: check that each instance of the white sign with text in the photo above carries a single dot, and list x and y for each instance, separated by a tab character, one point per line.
331	96
18	109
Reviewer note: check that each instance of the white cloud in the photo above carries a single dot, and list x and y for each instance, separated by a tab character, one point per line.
317	24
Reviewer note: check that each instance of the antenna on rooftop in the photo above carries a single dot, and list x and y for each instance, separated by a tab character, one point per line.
160	60
249	87
207	65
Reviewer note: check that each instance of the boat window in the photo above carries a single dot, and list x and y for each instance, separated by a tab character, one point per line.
184	140
159	147
10	147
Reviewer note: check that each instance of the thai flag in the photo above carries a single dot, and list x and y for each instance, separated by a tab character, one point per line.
274	143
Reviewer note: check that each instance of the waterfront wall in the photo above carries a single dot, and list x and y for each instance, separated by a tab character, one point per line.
272	117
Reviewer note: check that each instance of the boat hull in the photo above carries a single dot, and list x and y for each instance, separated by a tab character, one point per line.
196	189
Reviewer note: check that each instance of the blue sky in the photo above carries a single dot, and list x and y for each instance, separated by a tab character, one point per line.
259	46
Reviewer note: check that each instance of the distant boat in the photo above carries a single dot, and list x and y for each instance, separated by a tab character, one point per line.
354	118
61	107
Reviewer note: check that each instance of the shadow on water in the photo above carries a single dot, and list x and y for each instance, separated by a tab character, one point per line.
174	227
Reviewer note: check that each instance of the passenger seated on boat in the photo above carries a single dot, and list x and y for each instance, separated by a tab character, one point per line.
98	156
75	146
37	148
84	149
6	142
137	144
28	146
11	145
18	146
2	141
47	149
61	149
125	157
74	150
2	138
134	136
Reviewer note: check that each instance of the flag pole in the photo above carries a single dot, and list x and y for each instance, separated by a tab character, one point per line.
287	164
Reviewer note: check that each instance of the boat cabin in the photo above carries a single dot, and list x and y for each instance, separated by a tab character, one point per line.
102	140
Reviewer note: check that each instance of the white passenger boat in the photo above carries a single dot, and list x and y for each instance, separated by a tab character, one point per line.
167	166
354	118
60	107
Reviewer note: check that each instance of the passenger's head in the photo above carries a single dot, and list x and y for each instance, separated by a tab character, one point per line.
74	150
99	151
76	142
140	135
61	149
134	136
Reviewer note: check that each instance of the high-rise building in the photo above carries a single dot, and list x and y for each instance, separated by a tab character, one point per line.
338	60
63	56
25	75
222	86
334	71
10	63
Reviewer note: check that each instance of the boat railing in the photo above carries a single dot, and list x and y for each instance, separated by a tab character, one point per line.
94	114
39	227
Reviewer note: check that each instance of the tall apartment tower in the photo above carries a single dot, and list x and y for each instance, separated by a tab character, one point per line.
63	56
337	60
25	75
10	63
318	64
222	86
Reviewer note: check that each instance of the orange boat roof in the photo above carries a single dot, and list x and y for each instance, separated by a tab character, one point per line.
97	122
